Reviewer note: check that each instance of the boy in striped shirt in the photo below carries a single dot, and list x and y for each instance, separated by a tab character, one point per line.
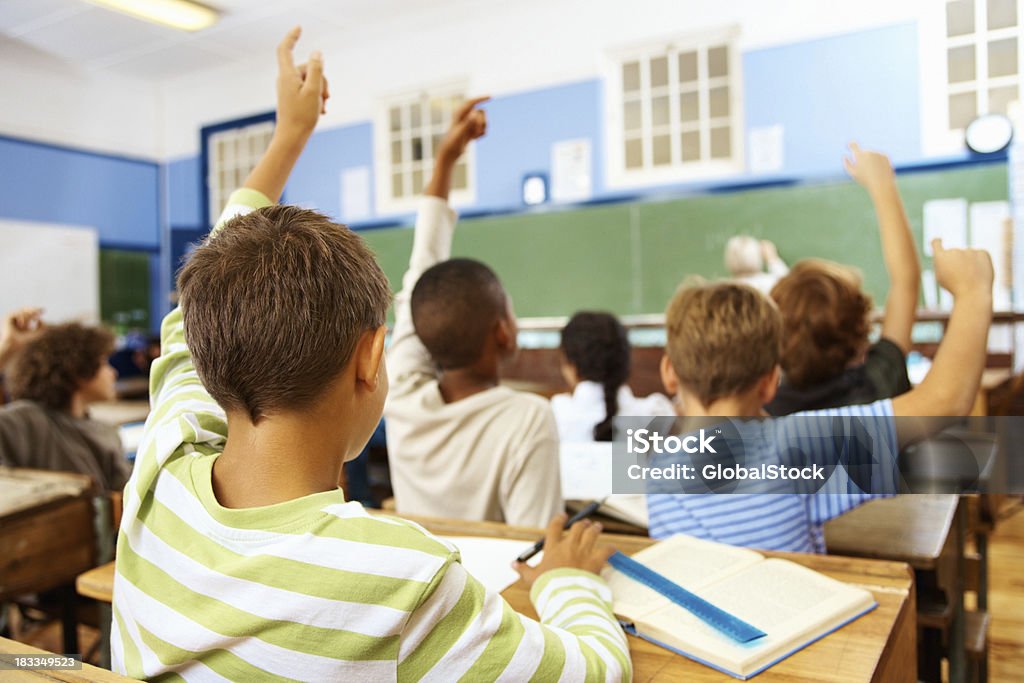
239	558
722	360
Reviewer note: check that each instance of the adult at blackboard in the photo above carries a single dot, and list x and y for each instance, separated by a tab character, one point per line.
827	359
55	372
754	262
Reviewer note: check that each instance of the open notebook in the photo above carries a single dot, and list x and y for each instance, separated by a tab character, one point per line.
794	605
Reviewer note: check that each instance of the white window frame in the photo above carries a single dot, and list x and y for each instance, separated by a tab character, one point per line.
229	164
616	173
386	202
937	139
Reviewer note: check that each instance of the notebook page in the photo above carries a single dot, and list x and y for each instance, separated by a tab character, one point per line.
488	559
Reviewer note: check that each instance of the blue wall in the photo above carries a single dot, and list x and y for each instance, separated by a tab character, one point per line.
116	195
861	86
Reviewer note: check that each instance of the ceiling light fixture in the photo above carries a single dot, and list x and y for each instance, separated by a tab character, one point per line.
183	15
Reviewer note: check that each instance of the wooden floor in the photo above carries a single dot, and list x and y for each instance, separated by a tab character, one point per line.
1006	597
1006	602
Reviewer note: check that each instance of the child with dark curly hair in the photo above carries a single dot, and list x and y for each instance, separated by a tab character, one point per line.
55	372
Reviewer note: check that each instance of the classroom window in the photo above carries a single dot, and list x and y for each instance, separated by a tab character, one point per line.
983	59
231	154
414	127
674	111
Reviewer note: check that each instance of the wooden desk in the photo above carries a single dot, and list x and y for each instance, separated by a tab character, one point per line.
47	536
927	532
879	646
85	674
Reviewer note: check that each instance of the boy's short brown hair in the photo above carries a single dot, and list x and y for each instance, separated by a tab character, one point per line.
825	320
274	304
51	367
722	338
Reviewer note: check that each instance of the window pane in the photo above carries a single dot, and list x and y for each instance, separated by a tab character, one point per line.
396	118
396	152
999	99
719	101
689	106
721	145
396	185
631	115
414	115
691	146
959	17
1002	14
438	111
1002	58
460	176
963	108
662	149
417	149
436	143
659	111
718	62
634	154
659	72
960	61
687	67
631	76
417	181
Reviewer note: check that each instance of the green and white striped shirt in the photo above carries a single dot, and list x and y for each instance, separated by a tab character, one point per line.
315	588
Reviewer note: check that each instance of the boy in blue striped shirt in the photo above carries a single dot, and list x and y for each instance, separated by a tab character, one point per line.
722	359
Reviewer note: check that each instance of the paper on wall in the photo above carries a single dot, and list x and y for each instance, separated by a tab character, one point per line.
355	194
930	290
989	232
945	219
571	170
767	149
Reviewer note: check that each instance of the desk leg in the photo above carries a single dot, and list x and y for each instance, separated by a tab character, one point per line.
105	616
69	619
957	648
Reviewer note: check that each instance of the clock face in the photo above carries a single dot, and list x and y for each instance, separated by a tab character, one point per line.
989	133
535	190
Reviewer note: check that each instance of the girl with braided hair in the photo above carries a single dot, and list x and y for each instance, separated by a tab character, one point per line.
595	364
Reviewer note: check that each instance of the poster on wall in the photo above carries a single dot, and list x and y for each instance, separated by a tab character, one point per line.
571	171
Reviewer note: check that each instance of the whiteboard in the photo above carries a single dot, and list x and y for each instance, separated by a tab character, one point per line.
50	265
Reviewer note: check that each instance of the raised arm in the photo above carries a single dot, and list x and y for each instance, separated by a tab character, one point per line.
874	173
19	327
950	387
432	243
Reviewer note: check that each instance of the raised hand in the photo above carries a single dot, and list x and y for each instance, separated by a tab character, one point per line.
301	90
19	327
468	123
963	271
871	170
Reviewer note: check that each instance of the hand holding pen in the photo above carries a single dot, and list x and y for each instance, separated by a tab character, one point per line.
572	549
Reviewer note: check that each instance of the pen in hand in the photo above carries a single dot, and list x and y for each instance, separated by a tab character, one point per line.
539	545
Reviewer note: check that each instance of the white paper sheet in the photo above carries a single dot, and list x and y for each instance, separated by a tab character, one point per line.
586	469
930	290
571	171
989	232
489	559
945	219
767	149
355	194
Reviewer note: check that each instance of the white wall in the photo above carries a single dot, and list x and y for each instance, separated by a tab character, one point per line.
47	100
500	48
496	46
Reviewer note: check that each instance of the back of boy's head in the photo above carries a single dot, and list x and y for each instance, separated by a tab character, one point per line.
722	338
455	305
598	347
274	304
743	256
825	317
56	363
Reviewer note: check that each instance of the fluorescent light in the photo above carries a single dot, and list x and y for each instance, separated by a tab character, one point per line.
183	15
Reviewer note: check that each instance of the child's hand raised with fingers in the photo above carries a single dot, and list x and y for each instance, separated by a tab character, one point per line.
963	271
301	90
872	170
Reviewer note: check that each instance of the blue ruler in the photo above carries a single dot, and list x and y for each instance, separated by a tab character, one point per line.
719	619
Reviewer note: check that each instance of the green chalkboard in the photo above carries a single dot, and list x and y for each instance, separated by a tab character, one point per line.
629	258
124	289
